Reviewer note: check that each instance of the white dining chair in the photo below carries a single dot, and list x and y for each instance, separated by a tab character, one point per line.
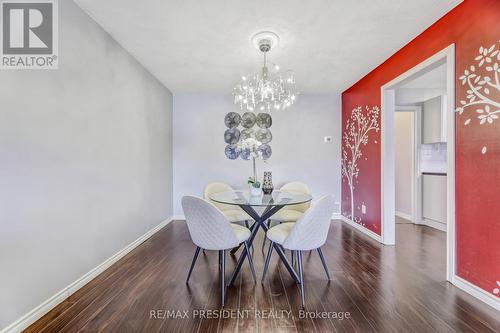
233	213
308	233
210	230
293	212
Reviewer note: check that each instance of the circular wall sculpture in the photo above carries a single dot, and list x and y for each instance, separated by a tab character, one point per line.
266	151
247	133
263	135
264	120
232	136
232	152
245	154
232	120
248	122
248	119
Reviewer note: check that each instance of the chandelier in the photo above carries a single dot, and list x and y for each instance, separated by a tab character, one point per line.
269	89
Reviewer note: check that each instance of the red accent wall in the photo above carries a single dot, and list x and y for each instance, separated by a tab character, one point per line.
471	25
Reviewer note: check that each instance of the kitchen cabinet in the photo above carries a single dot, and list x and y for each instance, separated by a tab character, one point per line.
434	119
434	190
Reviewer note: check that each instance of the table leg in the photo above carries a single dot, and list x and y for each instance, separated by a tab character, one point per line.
283	257
250	241
260	223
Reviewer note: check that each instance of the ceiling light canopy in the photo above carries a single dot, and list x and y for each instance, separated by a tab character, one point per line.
270	89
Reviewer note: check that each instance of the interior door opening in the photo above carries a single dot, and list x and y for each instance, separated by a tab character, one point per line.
418	143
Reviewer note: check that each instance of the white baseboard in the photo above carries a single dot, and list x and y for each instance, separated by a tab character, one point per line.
35	314
336	216
477	292
404	216
433	224
359	227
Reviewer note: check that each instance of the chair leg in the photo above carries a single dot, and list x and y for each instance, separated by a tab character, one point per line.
247	224
193	262
222	260
293	258
268	258
268	226
324	263
250	261
301	276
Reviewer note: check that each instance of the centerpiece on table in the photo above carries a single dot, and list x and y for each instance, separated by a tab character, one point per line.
250	149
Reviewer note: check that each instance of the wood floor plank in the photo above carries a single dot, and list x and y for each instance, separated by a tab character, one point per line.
279	296
384	289
229	324
262	297
49	317
85	299
246	287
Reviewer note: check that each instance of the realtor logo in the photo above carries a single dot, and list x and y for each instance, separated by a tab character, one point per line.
29	34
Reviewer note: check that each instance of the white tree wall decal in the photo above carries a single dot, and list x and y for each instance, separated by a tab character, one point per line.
358	127
496	290
483	87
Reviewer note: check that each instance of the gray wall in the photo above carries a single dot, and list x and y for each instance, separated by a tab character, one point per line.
85	163
299	152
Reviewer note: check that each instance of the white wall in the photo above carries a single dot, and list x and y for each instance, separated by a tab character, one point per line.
404	155
299	152
85	163
433	157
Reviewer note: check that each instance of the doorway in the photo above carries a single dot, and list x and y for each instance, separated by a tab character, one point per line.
446	59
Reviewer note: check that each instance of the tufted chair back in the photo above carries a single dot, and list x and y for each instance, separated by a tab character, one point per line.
311	230
208	227
217	187
297	187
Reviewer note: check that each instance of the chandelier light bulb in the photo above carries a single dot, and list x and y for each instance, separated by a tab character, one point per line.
266	90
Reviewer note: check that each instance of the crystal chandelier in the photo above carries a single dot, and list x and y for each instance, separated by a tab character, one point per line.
268	90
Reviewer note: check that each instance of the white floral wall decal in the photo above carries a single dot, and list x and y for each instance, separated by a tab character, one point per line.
496	291
483	87
358	127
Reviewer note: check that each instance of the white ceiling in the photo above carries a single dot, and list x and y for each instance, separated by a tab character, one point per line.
433	79
204	46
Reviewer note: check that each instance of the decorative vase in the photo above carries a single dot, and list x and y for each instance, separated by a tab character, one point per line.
267	184
255	191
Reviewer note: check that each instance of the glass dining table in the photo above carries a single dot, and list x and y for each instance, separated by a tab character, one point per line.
261	208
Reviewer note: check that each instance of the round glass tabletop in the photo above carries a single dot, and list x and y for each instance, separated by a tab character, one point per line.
243	198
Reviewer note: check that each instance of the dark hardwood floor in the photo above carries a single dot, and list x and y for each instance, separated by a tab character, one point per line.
384	289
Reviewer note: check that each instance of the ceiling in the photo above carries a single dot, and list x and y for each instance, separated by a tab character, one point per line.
204	46
433	79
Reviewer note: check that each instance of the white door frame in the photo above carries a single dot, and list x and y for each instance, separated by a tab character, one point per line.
447	56
416	138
